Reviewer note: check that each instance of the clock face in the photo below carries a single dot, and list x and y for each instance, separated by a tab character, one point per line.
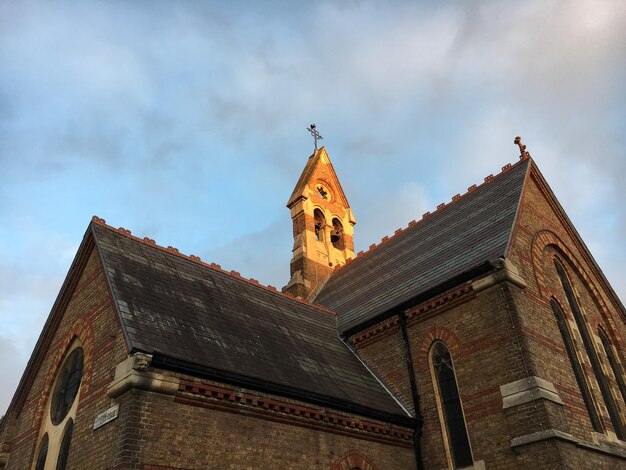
323	192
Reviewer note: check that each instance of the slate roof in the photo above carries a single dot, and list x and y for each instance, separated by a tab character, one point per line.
178	308
456	239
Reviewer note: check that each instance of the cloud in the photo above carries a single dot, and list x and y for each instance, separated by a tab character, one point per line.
12	364
263	254
389	210
185	122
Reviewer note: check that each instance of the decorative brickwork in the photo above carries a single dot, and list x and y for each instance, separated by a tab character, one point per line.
351	460
225	399
188	435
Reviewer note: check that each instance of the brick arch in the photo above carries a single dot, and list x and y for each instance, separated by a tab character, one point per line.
329	186
81	330
353	459
436	333
547	238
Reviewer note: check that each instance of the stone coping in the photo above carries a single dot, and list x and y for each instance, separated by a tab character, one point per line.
527	390
604	445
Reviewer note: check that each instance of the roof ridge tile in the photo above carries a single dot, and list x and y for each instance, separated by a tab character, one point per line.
197	260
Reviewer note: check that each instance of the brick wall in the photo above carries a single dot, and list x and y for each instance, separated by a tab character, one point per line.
478	333
504	334
90	316
543	233
187	435
185	431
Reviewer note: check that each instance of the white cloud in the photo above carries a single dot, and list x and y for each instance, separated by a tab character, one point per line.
187	119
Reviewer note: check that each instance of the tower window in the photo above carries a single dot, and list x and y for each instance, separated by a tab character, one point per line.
322	191
336	238
320	223
450	409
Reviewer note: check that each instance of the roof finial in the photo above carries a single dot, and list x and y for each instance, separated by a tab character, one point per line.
316	135
523	154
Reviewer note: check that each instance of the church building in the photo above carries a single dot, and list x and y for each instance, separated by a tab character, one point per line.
482	336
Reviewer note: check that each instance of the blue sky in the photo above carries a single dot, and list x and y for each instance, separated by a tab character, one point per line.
185	121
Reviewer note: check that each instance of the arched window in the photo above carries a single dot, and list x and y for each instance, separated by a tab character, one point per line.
60	412
64	450
43	453
576	366
353	460
450	409
613	362
336	237
602	380
67	385
320	223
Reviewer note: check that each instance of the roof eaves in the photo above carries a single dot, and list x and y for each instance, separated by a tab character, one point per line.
196	370
543	184
525	156
411	301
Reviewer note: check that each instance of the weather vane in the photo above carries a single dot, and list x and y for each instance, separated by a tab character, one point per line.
316	135
523	154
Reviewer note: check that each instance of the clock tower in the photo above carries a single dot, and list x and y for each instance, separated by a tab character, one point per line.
323	226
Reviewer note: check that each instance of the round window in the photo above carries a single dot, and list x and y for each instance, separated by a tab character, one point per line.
323	192
67	384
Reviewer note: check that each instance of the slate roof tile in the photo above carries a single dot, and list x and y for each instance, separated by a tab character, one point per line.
181	309
470	231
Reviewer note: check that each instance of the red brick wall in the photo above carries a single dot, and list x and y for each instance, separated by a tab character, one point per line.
504	334
154	431
478	334
181	435
541	234
90	315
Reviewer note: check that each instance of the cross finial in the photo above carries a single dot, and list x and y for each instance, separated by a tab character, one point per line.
316	135
523	154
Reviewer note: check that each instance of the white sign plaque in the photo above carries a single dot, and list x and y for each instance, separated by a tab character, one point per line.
106	416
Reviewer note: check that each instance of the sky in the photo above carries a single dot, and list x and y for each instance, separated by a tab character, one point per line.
186	122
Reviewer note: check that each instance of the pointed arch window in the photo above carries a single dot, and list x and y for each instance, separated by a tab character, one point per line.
320	222
601	378
576	366
64	450
336	237
450	408
613	362
67	386
42	454
61	409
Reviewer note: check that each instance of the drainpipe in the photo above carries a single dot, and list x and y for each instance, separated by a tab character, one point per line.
419	419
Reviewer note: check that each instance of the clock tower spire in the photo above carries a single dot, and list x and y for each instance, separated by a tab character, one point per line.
322	226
